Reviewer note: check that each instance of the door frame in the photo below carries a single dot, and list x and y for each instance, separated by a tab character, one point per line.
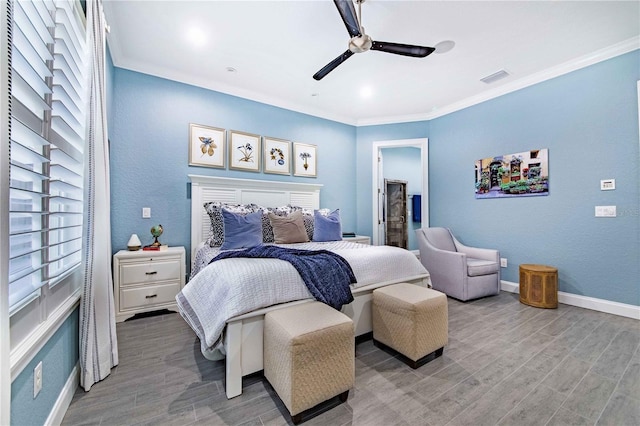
377	176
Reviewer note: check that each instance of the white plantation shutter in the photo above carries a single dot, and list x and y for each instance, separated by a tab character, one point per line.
48	122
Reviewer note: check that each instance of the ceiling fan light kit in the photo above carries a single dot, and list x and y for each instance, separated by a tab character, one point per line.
444	46
360	42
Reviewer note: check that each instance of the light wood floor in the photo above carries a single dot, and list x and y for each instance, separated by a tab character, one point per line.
506	364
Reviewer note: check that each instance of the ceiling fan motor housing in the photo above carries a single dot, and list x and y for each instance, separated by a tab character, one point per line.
360	44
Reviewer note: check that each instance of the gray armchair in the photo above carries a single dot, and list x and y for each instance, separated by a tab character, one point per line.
459	271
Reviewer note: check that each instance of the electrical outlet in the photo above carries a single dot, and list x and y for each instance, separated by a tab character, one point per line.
37	379
146	212
503	262
605	211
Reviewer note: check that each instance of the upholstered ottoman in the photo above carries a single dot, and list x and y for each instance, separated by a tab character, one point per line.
412	320
309	355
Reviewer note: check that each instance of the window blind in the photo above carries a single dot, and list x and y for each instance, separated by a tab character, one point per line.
48	122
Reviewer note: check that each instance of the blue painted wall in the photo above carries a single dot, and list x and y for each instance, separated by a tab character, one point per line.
149	153
588	120
59	356
404	164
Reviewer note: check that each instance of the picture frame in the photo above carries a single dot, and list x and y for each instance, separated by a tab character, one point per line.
277	156
207	146
305	160
244	151
523	174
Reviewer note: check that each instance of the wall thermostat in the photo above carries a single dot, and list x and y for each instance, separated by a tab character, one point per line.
607	184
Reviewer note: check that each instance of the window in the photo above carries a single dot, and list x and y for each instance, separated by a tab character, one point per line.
46	154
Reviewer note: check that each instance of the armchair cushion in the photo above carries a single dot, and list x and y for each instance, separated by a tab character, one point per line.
477	267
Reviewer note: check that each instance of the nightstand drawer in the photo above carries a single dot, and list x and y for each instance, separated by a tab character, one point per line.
156	270
148	295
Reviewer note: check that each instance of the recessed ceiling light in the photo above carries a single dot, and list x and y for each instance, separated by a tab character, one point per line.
315	95
231	69
196	36
366	92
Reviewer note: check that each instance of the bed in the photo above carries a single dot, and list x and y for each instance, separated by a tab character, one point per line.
241	340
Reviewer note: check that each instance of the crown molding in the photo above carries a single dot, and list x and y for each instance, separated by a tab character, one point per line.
617	49
274	101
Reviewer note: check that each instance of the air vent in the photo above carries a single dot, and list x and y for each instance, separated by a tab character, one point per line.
495	77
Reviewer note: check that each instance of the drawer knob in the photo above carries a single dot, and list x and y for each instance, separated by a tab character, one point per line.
151	273
151	296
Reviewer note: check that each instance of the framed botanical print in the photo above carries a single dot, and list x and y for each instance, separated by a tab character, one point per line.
305	160
206	146
277	156
244	151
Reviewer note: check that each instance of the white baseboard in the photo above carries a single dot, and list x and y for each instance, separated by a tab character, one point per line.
601	305
64	399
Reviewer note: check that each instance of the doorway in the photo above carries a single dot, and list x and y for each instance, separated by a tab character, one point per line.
395	217
378	236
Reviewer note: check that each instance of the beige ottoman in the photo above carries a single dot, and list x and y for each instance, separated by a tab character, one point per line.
309	355
412	320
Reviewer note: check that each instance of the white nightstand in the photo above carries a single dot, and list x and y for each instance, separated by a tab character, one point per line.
361	239
146	281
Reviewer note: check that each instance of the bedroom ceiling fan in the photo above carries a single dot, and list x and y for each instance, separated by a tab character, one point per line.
361	42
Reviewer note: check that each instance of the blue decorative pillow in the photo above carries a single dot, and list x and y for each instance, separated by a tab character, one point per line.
214	210
241	231
327	228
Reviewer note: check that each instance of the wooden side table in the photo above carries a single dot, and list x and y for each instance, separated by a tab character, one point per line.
539	286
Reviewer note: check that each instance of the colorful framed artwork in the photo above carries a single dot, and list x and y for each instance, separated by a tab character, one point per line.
305	160
206	146
277	156
523	174
244	151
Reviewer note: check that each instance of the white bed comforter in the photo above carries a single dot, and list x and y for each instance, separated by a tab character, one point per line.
232	287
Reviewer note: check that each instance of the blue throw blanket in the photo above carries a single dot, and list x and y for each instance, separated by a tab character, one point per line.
326	274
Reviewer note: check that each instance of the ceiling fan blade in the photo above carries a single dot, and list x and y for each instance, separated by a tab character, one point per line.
332	65
348	13
402	49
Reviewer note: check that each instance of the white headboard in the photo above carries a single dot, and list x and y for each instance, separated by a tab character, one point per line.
244	191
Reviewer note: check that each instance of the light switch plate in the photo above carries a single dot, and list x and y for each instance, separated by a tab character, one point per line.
607	184
605	211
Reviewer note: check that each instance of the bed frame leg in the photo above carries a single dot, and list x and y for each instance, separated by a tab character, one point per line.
233	359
